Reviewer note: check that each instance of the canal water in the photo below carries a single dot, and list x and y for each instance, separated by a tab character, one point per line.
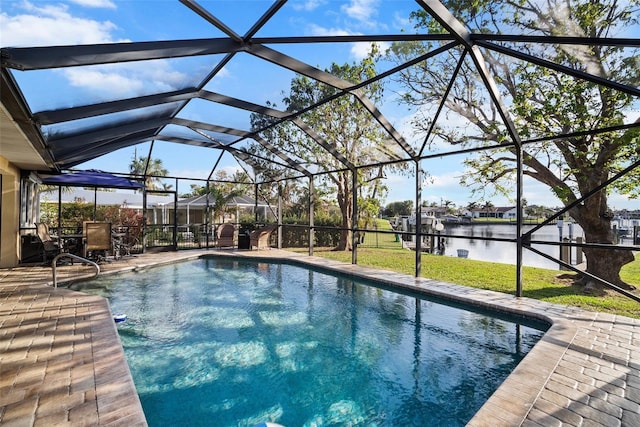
505	252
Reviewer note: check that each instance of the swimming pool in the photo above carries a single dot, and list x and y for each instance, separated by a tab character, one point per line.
228	342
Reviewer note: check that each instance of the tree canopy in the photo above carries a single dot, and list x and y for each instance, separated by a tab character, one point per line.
399	208
556	114
344	136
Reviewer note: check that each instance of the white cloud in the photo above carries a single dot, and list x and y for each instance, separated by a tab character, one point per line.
449	179
192	173
308	5
401	21
361	50
127	79
52	25
317	30
536	193
358	50
622	201
102	81
201	173
361	10
633	114
231	170
107	4
405	125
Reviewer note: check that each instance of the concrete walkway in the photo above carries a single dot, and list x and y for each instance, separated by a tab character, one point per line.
61	361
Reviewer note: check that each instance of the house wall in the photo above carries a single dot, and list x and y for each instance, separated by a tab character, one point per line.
196	216
9	214
511	214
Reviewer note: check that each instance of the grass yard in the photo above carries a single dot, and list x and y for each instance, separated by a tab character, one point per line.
538	283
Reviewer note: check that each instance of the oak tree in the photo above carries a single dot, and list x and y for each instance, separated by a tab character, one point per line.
555	113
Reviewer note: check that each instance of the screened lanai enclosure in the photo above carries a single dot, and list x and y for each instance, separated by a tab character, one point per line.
337	108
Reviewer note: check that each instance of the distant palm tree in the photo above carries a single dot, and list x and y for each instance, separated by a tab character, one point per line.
154	170
53	188
219	199
488	209
449	206
196	190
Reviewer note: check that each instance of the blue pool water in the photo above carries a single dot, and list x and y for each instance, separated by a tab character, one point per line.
227	342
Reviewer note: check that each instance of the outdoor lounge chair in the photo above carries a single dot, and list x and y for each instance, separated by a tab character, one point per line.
97	242
225	235
50	246
259	238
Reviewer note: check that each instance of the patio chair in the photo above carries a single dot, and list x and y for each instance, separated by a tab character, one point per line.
50	246
121	242
97	240
259	238
225	235
44	234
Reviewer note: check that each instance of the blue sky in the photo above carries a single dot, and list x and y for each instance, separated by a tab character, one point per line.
45	23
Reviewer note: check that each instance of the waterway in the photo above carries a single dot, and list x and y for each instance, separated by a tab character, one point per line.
505	252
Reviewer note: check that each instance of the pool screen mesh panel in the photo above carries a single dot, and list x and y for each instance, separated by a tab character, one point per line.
112	131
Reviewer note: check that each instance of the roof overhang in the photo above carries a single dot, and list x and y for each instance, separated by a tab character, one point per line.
21	142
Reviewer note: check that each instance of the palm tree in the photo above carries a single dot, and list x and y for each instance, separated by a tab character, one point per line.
449	206
488	208
219	199
150	172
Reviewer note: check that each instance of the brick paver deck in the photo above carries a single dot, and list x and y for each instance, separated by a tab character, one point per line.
61	362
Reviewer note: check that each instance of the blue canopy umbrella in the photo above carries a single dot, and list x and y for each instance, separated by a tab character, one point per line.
91	178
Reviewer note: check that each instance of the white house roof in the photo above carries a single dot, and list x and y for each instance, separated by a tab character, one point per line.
237	201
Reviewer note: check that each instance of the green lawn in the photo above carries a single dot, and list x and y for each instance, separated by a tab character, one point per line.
538	283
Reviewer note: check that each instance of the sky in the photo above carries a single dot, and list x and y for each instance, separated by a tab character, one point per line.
45	23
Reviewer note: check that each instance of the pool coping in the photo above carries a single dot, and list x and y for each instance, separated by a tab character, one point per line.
585	369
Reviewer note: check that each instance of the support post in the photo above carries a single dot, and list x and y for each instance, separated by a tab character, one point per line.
175	217
565	252
255	203
95	203
418	212
579	252
144	219
311	215
207	212
354	216
279	219
560	227
59	211
520	217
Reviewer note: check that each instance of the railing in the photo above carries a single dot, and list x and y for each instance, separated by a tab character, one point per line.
159	235
72	256
187	236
